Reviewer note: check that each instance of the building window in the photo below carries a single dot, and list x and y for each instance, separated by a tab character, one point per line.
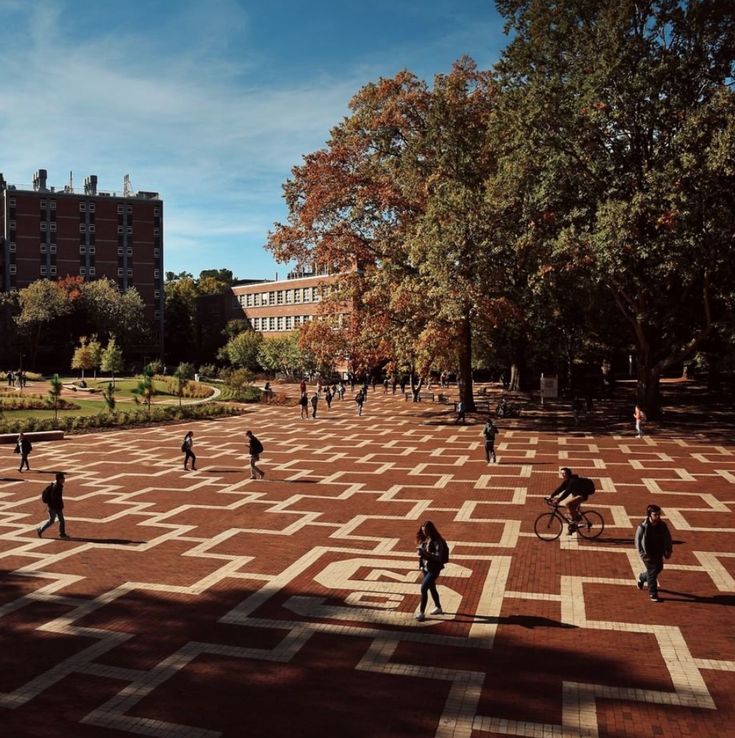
271	324
156	253
157	314
130	251
82	228
255	322
156	294
52	248
249	300
119	209
44	248
11	245
156	211
297	295
130	229
52	227
52	269
91	249
83	271
156	231
43	270
44	226
44	204
91	228
130	209
272	298
306	318
315	294
120	272
82	249
288	322
11	202
279	297
52	205
82	207
119	250
91	207
256	299
120	229
12	268
91	271
280	322
289	296
130	272
156	273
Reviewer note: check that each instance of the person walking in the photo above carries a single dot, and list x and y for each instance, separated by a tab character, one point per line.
53	497
255	449
653	541
433	555
359	401
187	447
304	405
314	404
460	412
489	432
23	447
640	417
328	397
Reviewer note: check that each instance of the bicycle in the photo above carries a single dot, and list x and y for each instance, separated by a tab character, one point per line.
549	525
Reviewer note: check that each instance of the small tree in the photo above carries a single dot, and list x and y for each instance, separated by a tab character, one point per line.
183	375
54	394
145	391
95	348
83	356
109	395
112	359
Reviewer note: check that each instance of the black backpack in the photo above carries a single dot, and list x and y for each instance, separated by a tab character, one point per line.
585	486
257	446
46	494
444	551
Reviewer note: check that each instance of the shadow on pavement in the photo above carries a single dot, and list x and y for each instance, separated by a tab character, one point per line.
727	600
525	621
118	541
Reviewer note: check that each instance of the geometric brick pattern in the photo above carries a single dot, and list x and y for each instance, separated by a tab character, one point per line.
204	604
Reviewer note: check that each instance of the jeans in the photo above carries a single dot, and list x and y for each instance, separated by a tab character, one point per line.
490	450
429	585
52	515
653	568
190	455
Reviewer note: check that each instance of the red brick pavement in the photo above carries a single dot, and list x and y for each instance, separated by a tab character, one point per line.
204	604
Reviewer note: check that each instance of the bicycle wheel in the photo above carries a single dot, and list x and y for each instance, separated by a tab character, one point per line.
548	526
593	524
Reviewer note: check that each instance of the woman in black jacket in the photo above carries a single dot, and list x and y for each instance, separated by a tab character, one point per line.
433	554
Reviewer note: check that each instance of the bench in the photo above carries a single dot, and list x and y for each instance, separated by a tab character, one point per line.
408	395
49	435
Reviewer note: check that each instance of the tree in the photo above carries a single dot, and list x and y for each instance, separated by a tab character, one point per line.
183	374
242	350
284	354
112	359
109	396
628	111
83	358
107	311
95	349
42	303
397	193
54	394
144	391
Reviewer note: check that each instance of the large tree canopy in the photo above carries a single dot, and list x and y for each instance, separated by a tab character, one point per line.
626	111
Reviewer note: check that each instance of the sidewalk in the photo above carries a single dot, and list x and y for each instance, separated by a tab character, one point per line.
203	603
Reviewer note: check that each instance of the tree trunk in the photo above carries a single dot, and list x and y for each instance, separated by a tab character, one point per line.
465	365
515	377
416	386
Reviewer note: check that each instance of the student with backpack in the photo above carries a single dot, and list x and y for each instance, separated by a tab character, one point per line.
255	449
433	555
577	489
53	497
23	447
186	447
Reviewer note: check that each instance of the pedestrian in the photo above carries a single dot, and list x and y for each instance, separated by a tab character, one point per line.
403	385
267	392
394	384
359	401
433	555
302	386
187	446
255	449
653	541
460	412
385	386
314	403
640	417
328	397
53	498
341	389
489	432
304	405
23	447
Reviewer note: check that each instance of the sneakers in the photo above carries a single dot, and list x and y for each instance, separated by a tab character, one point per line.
63	535
640	584
572	528
437	611
654	598
39	532
420	617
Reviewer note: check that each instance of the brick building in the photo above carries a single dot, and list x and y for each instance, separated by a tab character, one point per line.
49	232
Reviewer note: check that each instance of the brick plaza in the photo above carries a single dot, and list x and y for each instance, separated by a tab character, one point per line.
206	604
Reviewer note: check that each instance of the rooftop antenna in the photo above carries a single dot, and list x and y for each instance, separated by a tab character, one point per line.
70	187
127	187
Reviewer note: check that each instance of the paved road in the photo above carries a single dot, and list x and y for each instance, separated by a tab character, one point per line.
204	603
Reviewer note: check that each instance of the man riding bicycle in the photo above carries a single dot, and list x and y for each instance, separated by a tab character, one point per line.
577	489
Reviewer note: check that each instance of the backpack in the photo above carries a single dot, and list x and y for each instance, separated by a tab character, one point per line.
183	446
585	486
46	494
257	446
444	552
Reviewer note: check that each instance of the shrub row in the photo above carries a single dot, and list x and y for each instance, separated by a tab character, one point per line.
248	393
35	402
191	389
125	419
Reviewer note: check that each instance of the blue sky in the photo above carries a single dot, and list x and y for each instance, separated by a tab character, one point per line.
209	103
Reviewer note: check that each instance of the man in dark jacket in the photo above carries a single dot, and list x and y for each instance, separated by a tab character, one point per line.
255	449
23	447
55	502
653	541
577	489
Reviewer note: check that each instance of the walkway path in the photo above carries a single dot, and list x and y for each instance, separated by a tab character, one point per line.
205	604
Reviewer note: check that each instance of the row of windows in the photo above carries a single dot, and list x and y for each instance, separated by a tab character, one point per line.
279	323
88	207
282	297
